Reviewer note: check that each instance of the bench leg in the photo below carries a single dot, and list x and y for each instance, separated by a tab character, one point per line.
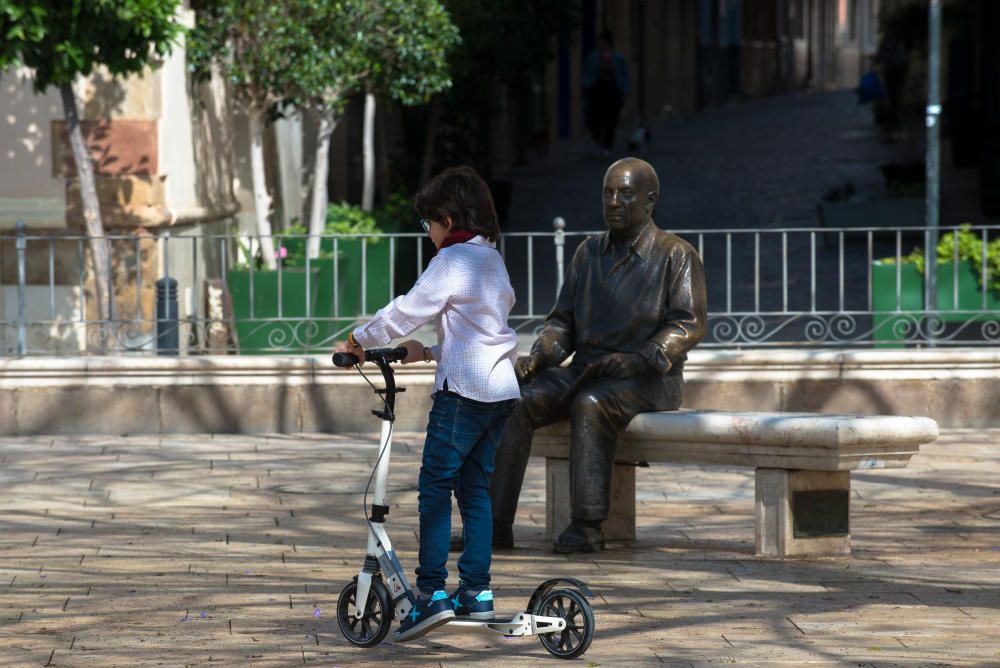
620	524
802	513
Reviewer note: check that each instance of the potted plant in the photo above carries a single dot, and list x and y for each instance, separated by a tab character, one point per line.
272	308
358	243
890	321
303	324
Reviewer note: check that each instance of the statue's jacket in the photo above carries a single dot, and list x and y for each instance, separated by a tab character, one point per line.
650	300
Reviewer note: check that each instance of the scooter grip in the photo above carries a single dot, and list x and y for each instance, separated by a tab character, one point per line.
344	360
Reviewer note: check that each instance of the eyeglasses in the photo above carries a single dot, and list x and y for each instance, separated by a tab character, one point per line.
426	224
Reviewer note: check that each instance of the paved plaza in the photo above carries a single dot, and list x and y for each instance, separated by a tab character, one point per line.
231	550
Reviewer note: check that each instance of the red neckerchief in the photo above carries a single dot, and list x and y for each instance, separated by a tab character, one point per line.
456	237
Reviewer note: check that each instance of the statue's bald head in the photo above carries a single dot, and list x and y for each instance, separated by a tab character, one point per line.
631	189
643	174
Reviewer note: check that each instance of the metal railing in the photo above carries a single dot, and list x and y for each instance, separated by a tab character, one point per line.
789	287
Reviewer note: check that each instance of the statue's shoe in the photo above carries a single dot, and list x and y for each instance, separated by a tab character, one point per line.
579	537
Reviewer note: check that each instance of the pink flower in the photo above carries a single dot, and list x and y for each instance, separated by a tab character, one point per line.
282	252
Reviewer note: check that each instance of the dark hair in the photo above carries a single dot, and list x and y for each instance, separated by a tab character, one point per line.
608	37
459	193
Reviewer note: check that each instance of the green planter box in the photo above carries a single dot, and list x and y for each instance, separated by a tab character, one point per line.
329	318
377	262
368	259
330	324
889	324
259	330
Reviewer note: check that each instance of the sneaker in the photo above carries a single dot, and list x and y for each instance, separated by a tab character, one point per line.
426	615
473	604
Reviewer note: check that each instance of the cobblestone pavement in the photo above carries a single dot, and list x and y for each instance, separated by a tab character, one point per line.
231	550
763	163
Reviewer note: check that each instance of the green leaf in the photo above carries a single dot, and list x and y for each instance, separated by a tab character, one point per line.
61	40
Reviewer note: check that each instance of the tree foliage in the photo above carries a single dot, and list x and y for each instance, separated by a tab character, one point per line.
506	47
408	45
63	39
253	43
507	41
315	53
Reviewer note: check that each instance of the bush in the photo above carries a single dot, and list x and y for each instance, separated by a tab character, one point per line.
350	219
970	249
345	220
394	215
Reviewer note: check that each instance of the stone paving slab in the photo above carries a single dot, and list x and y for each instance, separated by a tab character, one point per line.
231	550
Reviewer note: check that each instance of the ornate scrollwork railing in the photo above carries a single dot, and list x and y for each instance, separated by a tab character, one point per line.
787	287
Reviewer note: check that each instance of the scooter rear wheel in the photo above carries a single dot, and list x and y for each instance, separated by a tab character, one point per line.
572	606
374	625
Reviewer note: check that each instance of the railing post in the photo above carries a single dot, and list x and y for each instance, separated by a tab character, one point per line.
933	168
559	225
22	246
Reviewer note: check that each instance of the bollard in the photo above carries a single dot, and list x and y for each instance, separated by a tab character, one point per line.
167	322
22	246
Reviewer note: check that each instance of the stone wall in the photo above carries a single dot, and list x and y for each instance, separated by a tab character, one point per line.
233	394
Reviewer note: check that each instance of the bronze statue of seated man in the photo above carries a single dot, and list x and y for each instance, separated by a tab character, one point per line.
631	307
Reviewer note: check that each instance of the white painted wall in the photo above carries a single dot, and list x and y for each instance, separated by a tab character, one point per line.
53	317
28	191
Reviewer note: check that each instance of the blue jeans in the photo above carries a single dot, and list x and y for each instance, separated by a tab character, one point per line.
462	440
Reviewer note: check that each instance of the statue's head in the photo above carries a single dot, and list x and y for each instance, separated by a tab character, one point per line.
631	189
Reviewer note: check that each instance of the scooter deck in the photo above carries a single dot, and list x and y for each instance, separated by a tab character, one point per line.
521	624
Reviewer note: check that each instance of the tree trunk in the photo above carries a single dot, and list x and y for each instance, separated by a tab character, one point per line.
382	154
368	189
91	208
262	200
317	215
429	140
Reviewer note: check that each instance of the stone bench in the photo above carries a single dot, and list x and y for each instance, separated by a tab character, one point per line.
803	465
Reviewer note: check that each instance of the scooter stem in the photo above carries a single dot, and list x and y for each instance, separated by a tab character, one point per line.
382	470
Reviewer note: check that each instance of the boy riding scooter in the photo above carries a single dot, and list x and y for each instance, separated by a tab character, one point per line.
466	291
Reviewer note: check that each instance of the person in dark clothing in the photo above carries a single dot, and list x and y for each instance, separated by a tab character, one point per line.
632	305
605	84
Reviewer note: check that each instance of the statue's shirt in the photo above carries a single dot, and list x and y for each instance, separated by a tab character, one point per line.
647	299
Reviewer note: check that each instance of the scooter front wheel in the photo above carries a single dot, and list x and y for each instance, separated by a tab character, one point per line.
573	607
372	627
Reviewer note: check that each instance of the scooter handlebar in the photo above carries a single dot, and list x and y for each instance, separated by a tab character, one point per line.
347	360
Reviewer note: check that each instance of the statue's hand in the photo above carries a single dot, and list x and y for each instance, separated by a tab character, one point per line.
525	368
623	365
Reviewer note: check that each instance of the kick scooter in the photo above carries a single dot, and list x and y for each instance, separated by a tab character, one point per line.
557	612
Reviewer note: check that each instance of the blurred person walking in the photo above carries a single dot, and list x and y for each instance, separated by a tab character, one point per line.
605	84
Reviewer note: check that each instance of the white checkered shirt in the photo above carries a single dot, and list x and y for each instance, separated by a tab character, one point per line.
467	290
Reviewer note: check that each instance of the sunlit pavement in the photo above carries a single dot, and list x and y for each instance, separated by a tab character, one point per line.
231	550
